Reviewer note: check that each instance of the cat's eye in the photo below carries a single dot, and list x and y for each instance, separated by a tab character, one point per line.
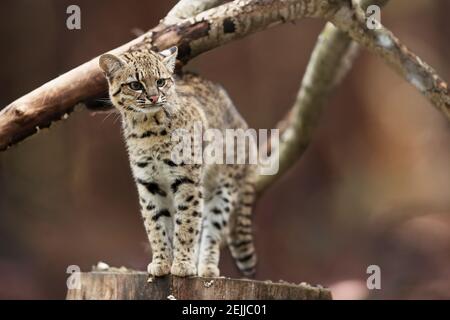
160	82
135	85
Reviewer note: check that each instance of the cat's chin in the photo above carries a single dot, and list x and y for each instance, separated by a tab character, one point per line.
147	110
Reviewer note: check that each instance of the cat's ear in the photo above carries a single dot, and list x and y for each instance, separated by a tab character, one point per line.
110	64
170	57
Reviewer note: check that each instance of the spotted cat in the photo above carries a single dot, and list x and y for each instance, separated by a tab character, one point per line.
188	209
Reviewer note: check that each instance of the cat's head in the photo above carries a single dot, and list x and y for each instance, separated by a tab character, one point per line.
140	81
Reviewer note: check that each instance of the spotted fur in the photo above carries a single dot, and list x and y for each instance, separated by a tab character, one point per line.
188	209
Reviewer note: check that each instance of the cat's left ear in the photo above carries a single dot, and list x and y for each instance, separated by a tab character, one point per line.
110	64
170	57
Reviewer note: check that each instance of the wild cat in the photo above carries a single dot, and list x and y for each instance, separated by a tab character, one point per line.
188	208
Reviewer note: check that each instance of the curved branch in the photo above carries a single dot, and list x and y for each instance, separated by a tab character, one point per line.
330	61
193	36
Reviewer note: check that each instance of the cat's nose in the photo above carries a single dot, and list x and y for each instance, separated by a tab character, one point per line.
153	99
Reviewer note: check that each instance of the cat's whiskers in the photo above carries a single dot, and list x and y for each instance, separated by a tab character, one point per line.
109	114
117	118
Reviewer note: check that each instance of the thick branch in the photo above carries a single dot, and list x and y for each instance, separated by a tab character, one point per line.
385	45
193	36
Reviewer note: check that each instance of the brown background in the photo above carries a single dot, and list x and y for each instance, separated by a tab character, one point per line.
373	188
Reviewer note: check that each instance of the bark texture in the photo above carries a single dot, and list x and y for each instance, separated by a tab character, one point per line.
133	285
188	8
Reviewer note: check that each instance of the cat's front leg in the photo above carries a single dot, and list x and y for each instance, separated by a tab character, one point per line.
188	202
158	224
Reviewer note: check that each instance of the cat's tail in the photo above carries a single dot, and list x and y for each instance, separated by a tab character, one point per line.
240	237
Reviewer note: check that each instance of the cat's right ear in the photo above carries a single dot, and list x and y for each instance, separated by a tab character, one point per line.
170	57
110	64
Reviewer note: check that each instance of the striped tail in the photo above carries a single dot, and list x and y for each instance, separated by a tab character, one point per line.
240	238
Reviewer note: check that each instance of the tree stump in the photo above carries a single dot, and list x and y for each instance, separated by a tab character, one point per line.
135	285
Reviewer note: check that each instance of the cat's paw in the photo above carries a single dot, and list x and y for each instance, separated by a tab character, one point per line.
183	269
208	270
158	268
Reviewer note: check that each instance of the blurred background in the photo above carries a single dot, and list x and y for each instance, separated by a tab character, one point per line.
372	189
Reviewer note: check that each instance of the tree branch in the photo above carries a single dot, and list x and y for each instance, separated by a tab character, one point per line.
330	61
208	30
193	36
383	43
